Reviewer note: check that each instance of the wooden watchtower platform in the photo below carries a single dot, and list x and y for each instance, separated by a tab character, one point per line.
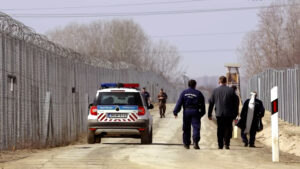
233	76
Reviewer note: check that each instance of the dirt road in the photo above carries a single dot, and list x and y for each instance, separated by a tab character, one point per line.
166	152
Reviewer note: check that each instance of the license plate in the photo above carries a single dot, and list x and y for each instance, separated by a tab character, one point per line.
117	115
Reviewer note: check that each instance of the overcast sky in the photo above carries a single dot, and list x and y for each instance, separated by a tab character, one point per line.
206	37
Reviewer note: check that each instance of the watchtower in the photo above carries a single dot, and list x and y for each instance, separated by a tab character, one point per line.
233	76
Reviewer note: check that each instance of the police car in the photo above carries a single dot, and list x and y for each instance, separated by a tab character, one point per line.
119	110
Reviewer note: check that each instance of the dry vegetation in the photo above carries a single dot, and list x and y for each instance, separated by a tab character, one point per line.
120	44
276	42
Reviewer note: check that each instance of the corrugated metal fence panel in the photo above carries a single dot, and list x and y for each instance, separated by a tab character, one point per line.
298	95
2	131
288	82
25	119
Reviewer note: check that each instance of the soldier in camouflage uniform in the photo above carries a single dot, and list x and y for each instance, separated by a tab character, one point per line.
162	98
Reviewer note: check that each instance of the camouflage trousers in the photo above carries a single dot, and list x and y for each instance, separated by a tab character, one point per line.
162	109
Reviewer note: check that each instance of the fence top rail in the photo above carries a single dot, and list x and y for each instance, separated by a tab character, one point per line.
273	70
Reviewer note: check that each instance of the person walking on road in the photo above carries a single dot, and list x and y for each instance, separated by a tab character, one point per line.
146	96
252	113
236	101
224	100
193	104
162	98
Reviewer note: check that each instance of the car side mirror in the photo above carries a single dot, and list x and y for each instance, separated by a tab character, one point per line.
150	106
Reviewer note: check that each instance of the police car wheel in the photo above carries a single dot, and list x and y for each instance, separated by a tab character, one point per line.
146	137
151	136
91	137
98	139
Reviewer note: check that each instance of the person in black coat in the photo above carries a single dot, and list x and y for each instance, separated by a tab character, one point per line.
225	102
236	101
258	113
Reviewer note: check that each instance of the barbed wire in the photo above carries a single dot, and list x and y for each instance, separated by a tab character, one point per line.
16	29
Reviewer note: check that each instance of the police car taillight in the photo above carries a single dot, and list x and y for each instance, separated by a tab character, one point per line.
141	111
93	110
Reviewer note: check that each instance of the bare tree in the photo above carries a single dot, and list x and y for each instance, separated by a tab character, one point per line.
116	41
166	59
292	34
251	54
120	44
275	44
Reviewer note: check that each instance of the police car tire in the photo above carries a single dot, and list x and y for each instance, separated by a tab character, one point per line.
146	138
91	137
98	139
151	136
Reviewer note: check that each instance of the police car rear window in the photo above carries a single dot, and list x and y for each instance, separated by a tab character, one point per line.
119	98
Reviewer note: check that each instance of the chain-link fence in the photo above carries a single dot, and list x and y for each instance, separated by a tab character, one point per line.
45	89
288	82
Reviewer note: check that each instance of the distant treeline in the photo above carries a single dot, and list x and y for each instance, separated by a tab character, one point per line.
120	44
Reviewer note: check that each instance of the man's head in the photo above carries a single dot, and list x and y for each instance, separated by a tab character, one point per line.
161	90
222	80
192	83
234	88
144	89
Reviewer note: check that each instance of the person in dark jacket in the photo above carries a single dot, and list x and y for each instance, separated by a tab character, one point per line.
252	112
224	100
146	96
193	104
237	101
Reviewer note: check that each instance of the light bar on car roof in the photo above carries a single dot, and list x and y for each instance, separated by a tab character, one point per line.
119	85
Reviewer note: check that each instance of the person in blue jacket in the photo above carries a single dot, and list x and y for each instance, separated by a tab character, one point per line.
146	96
193	104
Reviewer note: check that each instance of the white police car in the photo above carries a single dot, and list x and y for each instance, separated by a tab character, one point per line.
119	110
